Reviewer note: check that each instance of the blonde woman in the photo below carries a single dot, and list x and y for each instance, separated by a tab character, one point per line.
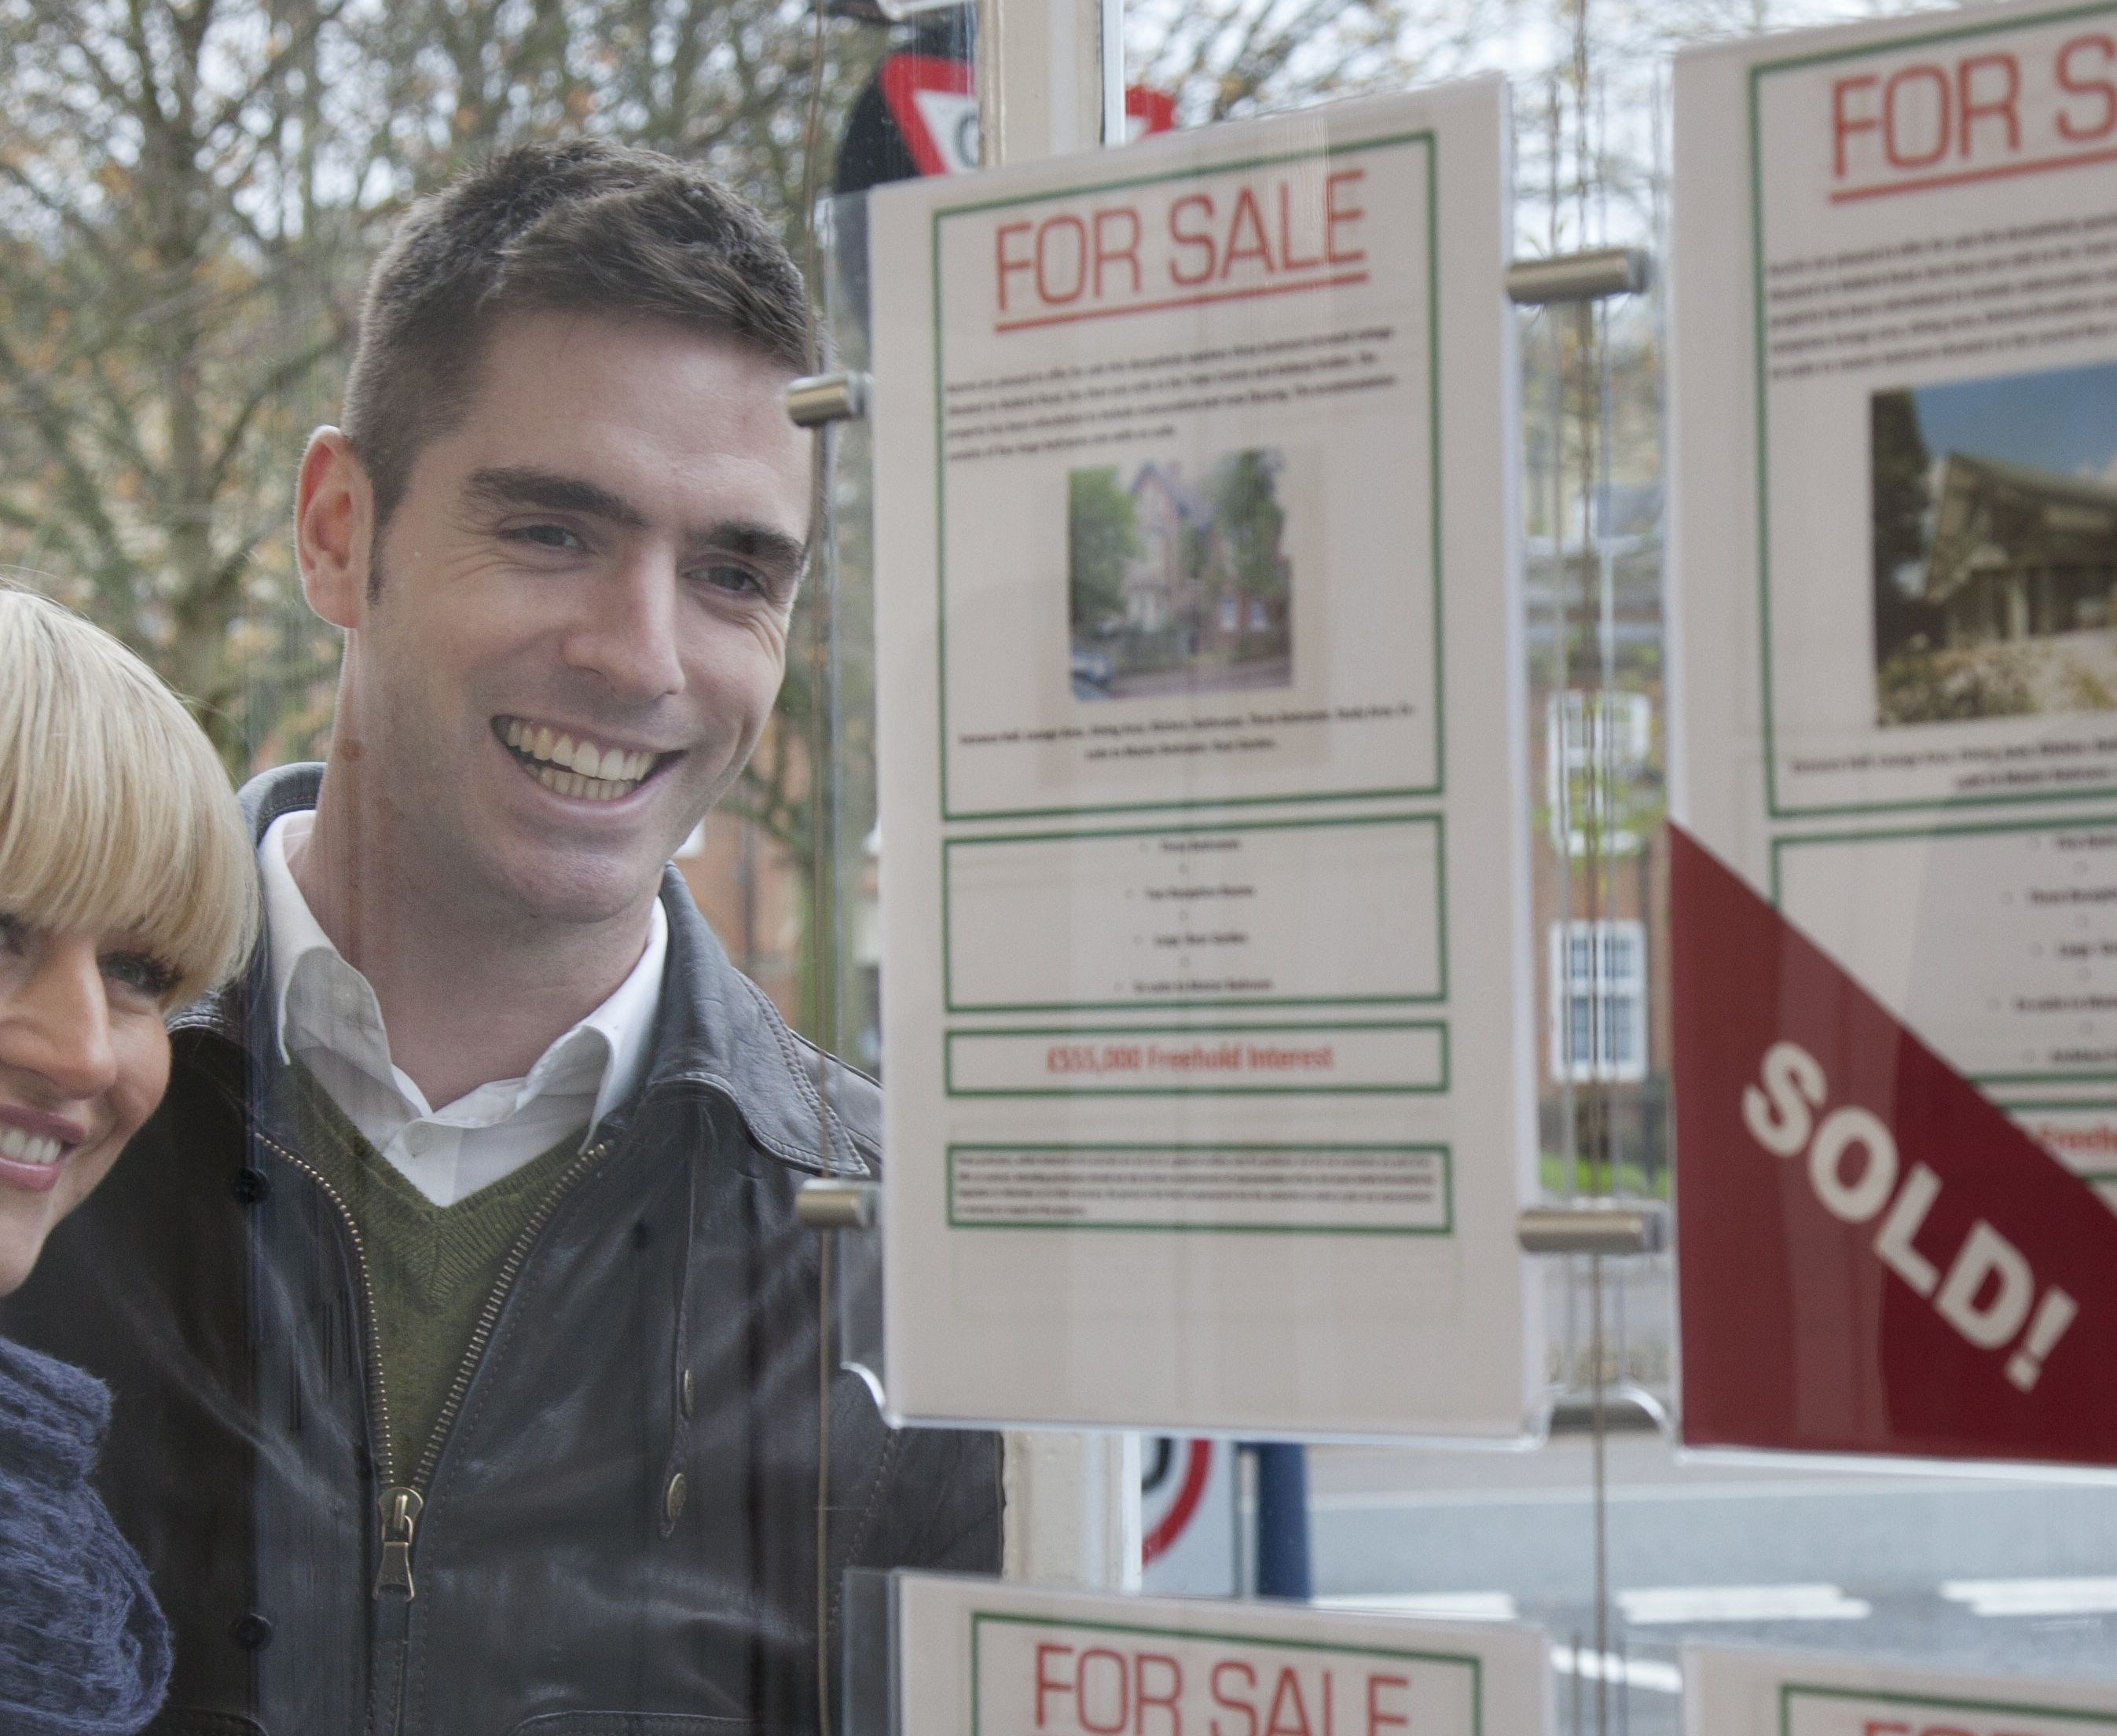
126	889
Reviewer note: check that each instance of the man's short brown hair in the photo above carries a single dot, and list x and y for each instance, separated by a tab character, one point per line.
569	226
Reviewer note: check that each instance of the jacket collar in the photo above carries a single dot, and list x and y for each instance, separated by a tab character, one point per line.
716	1032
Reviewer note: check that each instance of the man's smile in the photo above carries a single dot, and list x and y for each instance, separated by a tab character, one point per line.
568	763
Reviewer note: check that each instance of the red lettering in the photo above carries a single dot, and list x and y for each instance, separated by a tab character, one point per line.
1286	1698
1229	1667
1081	1695
1048	1684
2000	106
1184	239
1876	1727
1843	123
1899	158
1246	206
1006	264
1144	1696
1334	214
2076	84
1287	256
1044	234
1377	1717
1108	255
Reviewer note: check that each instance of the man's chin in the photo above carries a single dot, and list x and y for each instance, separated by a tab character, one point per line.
576	887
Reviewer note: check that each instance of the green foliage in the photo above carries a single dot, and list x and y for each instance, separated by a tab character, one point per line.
1901	495
1937	686
1243	489
1102	535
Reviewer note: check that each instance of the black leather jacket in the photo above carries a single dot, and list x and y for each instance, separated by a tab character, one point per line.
581	1552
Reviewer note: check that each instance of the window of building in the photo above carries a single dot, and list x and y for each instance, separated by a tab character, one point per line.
1596	744
1598	1001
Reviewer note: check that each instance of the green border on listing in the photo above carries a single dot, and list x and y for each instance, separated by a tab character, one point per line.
1463	1660
1890	834
1423	137
1415	998
1446	1227
1789	1691
1758	74
1203	1033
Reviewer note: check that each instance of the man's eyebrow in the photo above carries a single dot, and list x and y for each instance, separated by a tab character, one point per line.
752	542
554	493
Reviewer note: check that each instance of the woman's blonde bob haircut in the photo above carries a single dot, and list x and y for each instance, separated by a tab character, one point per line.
116	819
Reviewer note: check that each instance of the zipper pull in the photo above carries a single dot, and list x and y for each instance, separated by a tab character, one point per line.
400	1519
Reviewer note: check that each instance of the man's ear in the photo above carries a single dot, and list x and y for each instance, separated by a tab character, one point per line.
334	528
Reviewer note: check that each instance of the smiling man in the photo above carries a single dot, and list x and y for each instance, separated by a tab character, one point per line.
465	1342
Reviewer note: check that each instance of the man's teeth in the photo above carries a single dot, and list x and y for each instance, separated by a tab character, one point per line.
17	1147
580	767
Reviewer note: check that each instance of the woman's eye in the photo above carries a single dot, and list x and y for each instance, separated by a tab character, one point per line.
136	971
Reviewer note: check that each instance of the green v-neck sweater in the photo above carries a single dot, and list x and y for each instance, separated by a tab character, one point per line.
433	1268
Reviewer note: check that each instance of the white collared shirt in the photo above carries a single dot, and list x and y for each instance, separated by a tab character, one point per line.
327	1017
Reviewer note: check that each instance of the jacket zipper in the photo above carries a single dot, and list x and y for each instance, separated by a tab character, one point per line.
402	1504
488	1317
378	1399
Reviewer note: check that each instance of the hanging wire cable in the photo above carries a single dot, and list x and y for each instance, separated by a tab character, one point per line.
811	134
822	842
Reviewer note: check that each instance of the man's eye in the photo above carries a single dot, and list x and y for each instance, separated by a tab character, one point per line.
14	933
136	971
727	576
546	535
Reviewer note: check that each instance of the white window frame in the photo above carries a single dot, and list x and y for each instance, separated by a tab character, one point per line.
1614	952
1595	743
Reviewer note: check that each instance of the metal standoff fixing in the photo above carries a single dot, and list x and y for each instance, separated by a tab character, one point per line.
827	1202
1612	1226
1579	277
817	398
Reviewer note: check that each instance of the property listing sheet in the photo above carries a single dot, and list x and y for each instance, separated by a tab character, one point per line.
976	1657
1203	876
1894	384
1728	1692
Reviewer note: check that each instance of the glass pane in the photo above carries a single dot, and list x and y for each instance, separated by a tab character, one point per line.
455	1301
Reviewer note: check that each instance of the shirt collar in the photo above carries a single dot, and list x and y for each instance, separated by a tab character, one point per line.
319	997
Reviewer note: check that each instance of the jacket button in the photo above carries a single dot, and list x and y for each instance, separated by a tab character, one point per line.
672	1498
249	1185
684	1392
252	1632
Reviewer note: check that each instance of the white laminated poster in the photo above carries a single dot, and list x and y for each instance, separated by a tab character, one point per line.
1739	1693
1204	865
976	1657
1894	381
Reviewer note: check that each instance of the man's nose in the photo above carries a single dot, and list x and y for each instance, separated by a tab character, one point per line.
56	1023
628	635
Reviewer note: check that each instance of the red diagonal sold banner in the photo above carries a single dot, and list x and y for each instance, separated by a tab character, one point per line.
1871	1257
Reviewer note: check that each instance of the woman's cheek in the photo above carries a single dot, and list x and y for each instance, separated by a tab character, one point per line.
143	1073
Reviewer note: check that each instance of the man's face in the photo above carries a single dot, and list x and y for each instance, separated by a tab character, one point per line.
599	562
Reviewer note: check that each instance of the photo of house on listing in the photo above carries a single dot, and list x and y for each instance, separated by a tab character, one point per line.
1995	546
1177	586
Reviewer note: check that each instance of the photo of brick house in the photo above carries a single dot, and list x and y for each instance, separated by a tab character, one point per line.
1176	586
1994	563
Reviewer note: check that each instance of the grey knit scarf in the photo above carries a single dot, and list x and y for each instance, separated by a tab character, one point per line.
83	1649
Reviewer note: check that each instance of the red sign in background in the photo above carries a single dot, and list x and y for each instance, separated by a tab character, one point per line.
1871	1257
933	100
